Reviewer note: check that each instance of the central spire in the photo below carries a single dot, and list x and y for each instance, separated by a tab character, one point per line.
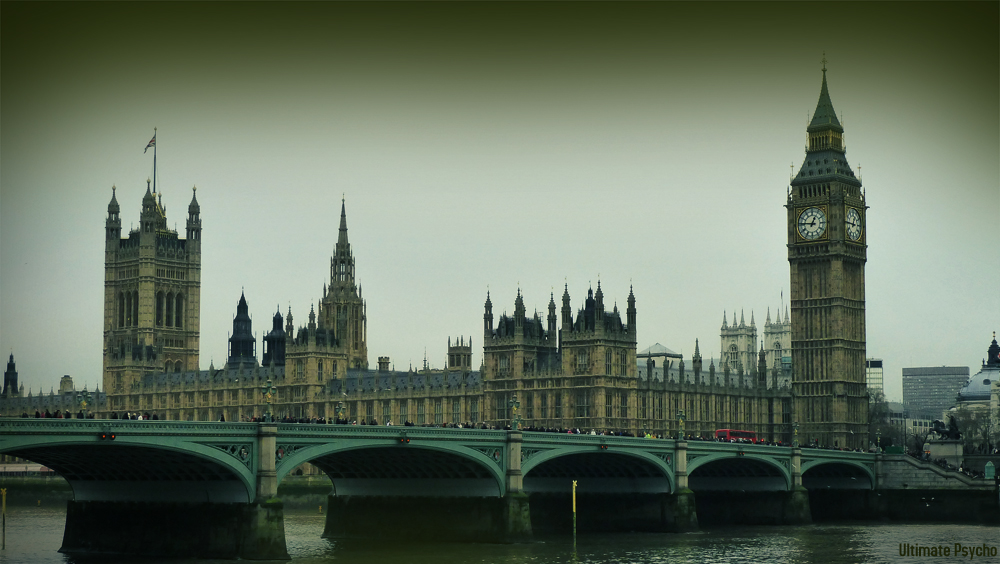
826	152
825	117
342	238
342	261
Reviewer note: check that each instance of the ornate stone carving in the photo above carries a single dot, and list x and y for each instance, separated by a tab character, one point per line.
240	451
494	453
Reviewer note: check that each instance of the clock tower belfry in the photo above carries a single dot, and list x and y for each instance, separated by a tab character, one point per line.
827	251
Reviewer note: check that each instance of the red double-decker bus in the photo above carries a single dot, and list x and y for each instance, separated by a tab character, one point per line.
735	435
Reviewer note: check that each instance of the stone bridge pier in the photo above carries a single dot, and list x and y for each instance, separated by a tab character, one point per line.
428	490
213	521
170	489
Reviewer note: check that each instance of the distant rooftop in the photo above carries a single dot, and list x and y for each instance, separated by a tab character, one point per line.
658	350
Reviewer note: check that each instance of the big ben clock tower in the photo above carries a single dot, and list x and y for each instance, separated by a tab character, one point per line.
827	251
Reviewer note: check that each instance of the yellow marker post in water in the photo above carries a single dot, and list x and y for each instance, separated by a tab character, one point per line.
3	512
574	513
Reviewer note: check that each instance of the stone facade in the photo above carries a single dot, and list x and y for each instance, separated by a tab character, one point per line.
827	252
152	298
739	344
68	402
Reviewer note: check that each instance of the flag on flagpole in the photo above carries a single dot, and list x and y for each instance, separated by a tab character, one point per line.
152	143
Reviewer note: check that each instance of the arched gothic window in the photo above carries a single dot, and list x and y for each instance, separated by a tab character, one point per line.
159	309
179	311
135	308
170	309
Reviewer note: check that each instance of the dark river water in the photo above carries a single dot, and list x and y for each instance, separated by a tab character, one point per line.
35	533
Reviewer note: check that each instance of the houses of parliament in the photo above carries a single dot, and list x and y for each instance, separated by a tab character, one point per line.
579	367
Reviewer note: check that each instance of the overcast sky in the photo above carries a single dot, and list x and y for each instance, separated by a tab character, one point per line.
496	146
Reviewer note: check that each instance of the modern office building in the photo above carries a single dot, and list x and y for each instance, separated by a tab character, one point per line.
873	375
928	391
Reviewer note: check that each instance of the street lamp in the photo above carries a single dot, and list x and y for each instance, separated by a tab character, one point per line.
268	391
515	418
795	434
680	424
340	411
83	398
878	440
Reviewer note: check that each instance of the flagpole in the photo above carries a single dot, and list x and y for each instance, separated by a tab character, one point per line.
154	161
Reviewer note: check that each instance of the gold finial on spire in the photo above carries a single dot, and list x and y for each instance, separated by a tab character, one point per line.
824	61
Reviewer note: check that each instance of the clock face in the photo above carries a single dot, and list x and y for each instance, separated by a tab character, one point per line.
812	223
853	221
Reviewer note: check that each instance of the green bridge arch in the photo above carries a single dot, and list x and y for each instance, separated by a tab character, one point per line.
740	461
197	454
323	454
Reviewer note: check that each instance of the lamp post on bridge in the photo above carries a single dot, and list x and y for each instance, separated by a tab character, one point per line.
84	400
268	391
680	424
795	434
515	418
878	440
340	411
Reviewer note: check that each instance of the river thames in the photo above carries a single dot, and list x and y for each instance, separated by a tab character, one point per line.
35	533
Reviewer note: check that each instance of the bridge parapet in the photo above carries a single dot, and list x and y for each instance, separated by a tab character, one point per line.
901	471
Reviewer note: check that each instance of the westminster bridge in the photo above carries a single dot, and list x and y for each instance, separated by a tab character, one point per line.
210	489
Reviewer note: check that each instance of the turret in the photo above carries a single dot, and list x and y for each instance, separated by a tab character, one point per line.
599	307
992	353
519	313
696	364
567	311
552	315
10	387
274	342
488	317
152	216
113	225
630	312
242	345
194	219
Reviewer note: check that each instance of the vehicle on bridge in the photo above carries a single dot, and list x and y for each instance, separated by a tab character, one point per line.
736	436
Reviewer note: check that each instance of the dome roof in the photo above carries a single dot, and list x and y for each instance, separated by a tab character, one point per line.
978	386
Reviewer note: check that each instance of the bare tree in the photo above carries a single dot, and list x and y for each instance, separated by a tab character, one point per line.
878	419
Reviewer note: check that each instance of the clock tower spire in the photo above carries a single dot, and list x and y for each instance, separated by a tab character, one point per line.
827	251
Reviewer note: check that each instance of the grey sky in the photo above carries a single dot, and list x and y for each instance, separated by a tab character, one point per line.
497	146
